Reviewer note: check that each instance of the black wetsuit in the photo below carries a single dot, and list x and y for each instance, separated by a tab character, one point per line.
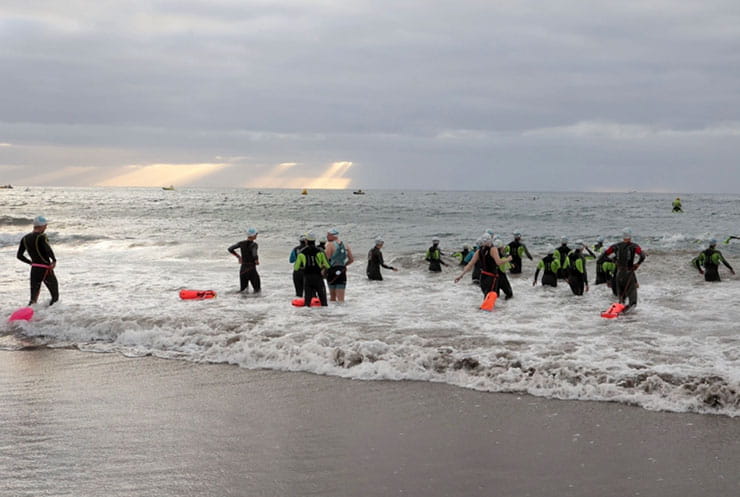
476	271
248	271
41	259
577	279
516	258
374	263
625	281
313	281
563	252
489	271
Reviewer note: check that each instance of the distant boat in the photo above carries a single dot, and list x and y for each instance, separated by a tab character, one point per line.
304	192
168	188
358	192
6	187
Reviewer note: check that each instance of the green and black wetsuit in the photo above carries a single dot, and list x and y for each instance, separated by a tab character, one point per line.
561	253
311	260
575	263
549	265
710	259
517	250
434	257
605	270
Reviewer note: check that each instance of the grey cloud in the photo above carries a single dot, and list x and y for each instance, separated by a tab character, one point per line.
424	87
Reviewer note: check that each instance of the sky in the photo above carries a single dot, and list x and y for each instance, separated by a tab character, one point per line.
557	95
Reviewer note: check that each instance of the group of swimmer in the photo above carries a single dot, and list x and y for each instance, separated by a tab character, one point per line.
489	260
311	264
615	265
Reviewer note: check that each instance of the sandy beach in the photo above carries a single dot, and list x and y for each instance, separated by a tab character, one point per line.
82	424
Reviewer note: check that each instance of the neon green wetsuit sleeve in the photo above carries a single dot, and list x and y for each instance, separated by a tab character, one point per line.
322	261
555	265
579	266
300	261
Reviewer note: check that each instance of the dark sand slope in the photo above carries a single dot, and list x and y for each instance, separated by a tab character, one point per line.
103	425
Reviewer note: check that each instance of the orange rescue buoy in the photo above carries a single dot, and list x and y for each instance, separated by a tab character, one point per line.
613	311
489	301
197	294
299	302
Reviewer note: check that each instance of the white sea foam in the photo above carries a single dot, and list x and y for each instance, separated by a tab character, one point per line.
120	275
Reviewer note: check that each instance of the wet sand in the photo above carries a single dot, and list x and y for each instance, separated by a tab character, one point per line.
83	424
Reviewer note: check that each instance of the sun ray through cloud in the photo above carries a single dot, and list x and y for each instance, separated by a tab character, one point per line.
162	174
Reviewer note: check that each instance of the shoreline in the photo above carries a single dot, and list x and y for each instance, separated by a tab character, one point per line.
103	424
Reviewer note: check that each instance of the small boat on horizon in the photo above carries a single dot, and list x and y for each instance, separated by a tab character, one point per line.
168	188
304	192
358	192
6	187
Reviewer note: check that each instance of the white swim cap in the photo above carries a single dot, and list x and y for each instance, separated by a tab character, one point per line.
563	239
332	232
626	233
435	240
251	232
712	242
498	243
39	221
379	241
517	234
600	239
550	249
310	236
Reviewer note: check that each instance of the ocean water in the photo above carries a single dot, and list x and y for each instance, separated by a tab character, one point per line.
125	253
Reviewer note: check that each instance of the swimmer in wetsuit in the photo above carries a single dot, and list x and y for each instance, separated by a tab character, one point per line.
575	263
710	259
311	261
249	260
549	266
339	255
297	275
490	261
375	261
434	257
625	281
42	260
503	284
518	250
560	254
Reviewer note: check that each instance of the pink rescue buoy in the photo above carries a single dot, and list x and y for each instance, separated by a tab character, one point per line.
22	314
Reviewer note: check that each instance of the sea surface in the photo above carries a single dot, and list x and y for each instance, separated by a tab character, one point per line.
124	254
